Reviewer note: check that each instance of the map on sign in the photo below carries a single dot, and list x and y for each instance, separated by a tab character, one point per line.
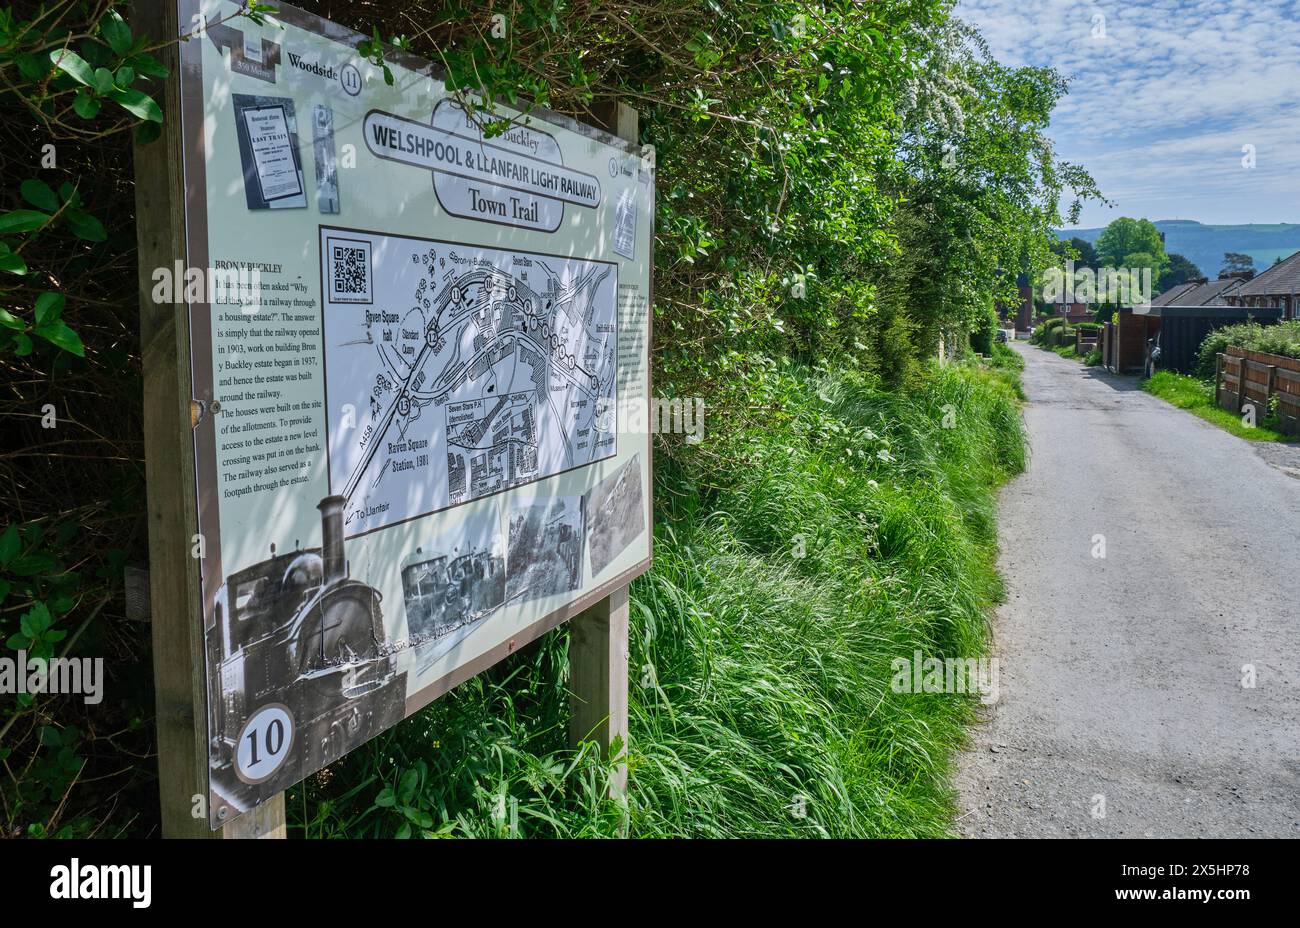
454	372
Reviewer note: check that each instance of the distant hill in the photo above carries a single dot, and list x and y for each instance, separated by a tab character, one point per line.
1204	245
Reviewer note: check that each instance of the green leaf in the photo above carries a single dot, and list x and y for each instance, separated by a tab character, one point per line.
124	77
49	306
63	337
147	132
32	563
33	67
14	264
148	66
22	220
386	798
103	80
50	736
68	61
138	104
4	589
10	544
38	618
406	789
85	226
85	105
22	345
39	194
17	642
69	194
116	33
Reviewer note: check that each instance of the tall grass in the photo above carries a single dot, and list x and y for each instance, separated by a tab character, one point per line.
793	562
1197	397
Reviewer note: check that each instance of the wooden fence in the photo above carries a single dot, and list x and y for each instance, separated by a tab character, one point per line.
1243	377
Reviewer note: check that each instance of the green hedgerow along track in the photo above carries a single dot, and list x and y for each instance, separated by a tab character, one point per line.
761	703
865	185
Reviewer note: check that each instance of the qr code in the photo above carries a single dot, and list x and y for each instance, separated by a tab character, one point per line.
349	263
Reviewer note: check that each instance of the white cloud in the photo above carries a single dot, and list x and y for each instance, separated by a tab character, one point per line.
1160	106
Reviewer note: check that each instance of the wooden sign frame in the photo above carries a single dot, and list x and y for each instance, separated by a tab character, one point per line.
180	412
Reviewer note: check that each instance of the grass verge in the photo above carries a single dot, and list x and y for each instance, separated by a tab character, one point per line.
794	561
1197	397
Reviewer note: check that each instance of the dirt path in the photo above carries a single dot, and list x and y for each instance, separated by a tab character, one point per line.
1122	677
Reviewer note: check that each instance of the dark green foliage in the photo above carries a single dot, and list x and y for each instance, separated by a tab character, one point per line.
1283	339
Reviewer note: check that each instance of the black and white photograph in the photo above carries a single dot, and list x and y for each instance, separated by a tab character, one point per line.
298	643
615	514
456	581
545	548
267	128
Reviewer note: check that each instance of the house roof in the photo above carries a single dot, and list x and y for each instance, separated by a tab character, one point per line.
1210	293
1173	293
1282	279
1221	311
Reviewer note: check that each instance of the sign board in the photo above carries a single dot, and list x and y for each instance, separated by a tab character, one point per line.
420	364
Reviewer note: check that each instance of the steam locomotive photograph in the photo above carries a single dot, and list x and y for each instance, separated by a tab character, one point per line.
297	632
444	592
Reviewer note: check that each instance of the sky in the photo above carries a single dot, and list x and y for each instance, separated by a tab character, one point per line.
1164	95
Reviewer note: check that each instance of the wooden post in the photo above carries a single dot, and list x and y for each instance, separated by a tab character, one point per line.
598	651
598	680
174	572
1218	378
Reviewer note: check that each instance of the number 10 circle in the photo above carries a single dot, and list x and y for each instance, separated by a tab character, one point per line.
264	743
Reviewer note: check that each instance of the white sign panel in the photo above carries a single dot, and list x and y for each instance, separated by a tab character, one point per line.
416	453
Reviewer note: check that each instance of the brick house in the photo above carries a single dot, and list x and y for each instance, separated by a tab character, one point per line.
1275	288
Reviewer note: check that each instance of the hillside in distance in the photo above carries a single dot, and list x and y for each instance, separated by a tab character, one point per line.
1204	245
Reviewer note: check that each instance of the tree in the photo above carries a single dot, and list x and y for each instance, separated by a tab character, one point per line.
1235	262
1126	236
1078	250
1179	271
981	186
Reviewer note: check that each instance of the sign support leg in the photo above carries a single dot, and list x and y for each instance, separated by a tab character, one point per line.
598	680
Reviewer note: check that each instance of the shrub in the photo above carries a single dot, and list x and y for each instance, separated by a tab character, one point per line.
1282	339
1043	333
984	336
